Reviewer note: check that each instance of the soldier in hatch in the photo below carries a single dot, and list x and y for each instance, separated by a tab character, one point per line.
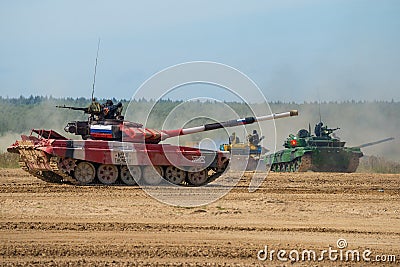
111	111
318	129
254	138
233	139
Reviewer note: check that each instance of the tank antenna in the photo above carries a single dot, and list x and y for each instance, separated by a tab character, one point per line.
319	111
95	69
319	106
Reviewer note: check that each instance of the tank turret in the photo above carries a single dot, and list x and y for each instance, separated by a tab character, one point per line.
105	114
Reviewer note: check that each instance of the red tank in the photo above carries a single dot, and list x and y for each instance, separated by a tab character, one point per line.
115	151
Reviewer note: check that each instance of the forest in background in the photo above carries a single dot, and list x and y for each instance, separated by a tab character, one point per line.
360	121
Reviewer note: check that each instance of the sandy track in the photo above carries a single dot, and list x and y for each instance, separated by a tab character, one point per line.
46	224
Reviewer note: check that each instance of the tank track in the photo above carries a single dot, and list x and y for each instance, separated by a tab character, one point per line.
58	175
46	176
302	164
54	165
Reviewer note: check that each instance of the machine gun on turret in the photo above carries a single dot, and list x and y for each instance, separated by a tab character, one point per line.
328	131
95	109
323	131
86	110
79	127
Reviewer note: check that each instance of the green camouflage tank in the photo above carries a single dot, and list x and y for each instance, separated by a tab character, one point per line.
320	152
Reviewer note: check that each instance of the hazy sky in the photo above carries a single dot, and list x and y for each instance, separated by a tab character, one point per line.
294	50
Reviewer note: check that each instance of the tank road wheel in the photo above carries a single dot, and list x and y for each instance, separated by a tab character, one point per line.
296	165
67	165
175	175
279	167
197	176
288	167
84	172
293	166
273	167
127	177
285	167
152	175
282	167
276	167
107	173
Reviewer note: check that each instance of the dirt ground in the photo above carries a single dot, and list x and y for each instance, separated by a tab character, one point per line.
64	225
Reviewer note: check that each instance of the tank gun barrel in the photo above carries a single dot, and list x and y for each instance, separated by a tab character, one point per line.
225	124
376	142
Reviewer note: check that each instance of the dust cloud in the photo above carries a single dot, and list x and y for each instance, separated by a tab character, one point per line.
8	139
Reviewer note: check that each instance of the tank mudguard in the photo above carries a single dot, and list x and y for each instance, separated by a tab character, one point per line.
354	150
286	155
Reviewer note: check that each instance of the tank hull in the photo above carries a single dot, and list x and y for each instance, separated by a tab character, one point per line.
318	159
245	156
82	162
246	163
